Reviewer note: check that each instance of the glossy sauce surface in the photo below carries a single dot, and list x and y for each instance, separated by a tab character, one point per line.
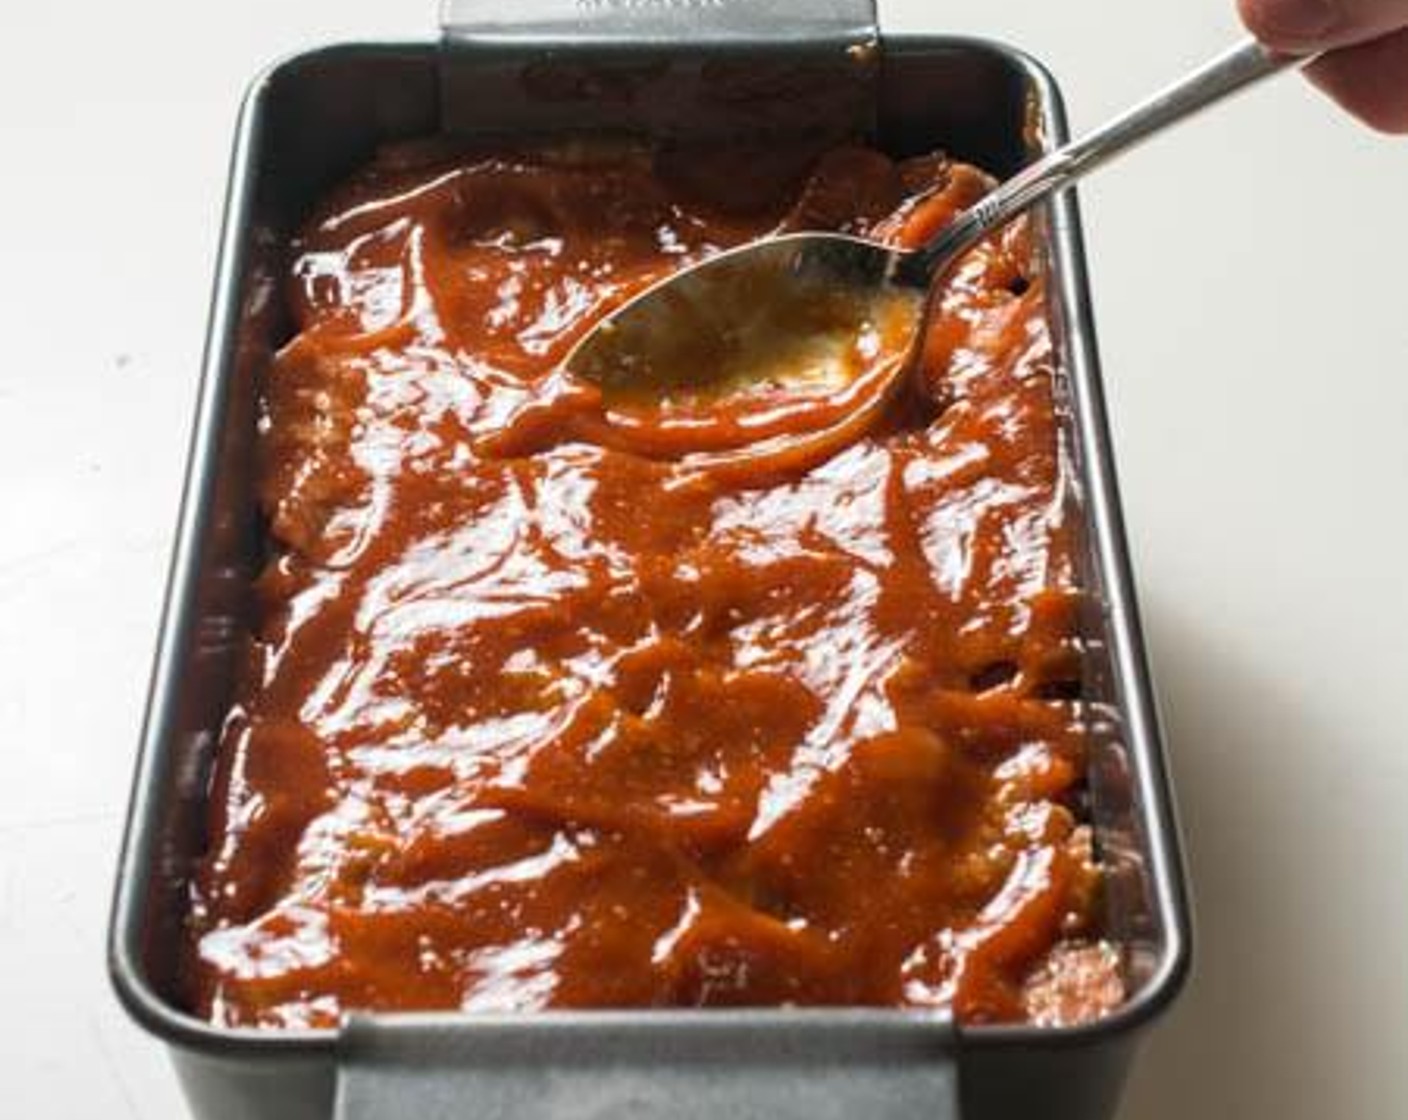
531	720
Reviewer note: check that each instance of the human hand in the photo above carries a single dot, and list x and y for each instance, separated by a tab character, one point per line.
1366	67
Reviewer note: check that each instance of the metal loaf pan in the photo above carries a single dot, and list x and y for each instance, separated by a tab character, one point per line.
309	121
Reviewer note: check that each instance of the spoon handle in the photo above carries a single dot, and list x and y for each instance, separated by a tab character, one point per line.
1234	70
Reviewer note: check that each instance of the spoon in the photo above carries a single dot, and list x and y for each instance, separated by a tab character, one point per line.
694	363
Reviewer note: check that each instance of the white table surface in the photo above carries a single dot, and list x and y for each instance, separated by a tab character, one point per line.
1251	285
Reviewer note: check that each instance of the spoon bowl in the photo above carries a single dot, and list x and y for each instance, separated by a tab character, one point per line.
788	334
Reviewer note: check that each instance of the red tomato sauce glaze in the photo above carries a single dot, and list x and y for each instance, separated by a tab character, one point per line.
528	721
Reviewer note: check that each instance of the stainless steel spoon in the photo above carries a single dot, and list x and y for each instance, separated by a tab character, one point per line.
792	306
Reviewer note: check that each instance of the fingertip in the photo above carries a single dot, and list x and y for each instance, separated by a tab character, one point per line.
1369	81
1291	25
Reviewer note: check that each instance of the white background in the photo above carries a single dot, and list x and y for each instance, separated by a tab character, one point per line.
1249	277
